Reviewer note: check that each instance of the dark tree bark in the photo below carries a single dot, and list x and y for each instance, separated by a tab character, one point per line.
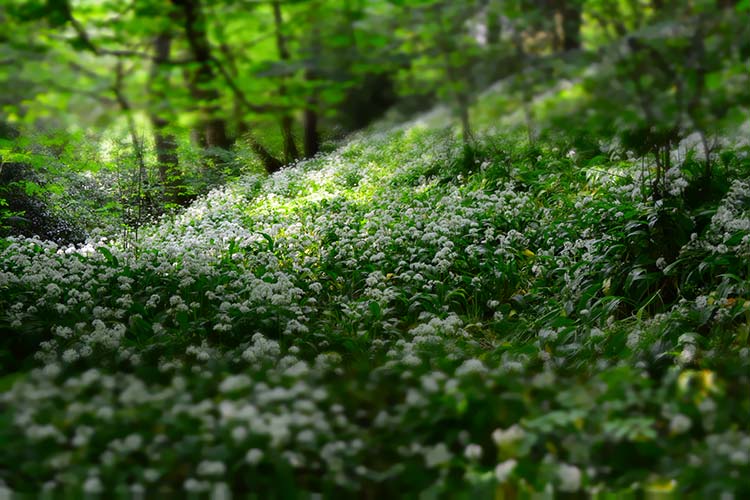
571	12
727	4
311	136
494	29
271	163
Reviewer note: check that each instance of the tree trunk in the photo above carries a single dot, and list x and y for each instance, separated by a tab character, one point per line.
525	86
164	142
271	163
455	76
118	89
571	13
290	147
311	136
213	126
494	28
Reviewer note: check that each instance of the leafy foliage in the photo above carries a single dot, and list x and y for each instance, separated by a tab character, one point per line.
552	301
331	333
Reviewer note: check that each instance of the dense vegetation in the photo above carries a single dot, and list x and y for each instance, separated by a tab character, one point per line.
539	287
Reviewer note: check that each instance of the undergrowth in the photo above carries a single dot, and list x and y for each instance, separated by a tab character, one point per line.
403	316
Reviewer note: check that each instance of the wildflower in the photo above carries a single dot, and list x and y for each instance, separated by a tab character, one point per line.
254	456
687	355
679	424
739	457
507	437
192	485
570	478
437	455
505	469
473	452
93	486
221	491
471	366
211	468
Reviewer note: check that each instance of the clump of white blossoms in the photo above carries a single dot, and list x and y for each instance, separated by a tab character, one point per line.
437	455
680	424
254	456
473	452
503	470
509	436
570	478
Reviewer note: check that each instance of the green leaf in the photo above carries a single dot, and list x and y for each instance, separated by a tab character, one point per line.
269	240
111	259
7	381
714	80
32	188
375	309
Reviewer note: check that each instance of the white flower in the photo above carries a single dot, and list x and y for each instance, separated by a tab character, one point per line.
471	366
473	452
234	383
93	485
739	457
513	434
133	442
221	491
679	424
437	455
192	485
239	434
211	468
570	477
137	490
687	355
254	456
151	475
505	469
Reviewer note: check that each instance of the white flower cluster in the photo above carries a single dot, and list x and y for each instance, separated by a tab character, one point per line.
352	307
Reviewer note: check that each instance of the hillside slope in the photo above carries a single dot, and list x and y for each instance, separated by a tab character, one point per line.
403	315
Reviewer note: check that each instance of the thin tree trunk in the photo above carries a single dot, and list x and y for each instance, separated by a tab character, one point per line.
238	112
127	110
571	12
290	147
525	85
213	126
457	83
311	136
271	163
494	28
164	142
